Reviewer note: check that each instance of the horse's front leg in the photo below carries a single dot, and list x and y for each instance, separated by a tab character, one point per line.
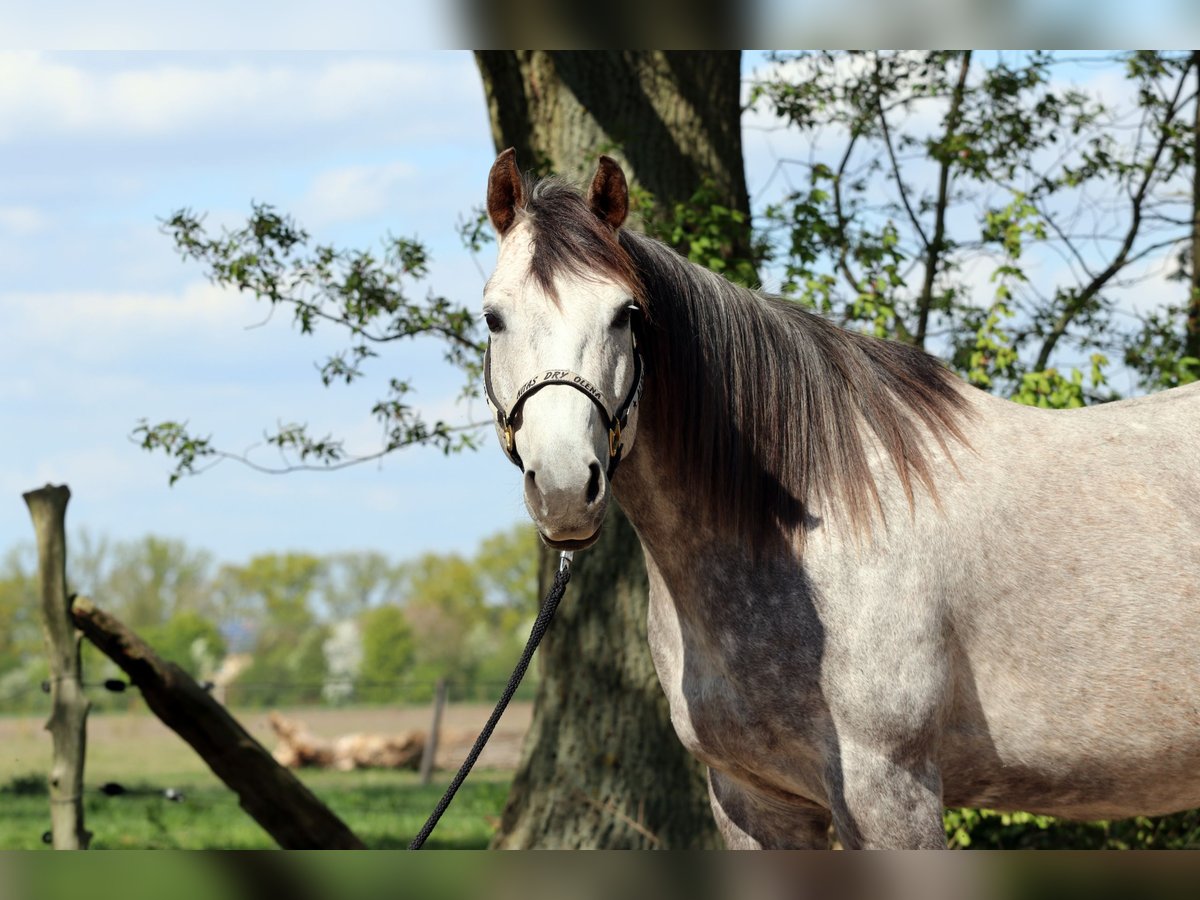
883	802
748	821
887	679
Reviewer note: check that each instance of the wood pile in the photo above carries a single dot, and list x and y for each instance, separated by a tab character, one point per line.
300	748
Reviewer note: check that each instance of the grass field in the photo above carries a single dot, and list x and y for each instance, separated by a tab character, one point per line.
384	808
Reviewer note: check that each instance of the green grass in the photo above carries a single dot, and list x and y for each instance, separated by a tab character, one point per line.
385	809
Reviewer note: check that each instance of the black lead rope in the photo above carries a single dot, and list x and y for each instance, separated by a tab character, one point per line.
549	605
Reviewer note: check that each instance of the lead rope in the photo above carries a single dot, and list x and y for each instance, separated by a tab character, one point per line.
549	605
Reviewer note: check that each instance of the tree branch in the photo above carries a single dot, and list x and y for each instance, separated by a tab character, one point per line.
936	248
887	140
272	795
178	444
843	265
1083	298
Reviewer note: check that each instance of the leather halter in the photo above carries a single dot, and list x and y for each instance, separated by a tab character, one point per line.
614	423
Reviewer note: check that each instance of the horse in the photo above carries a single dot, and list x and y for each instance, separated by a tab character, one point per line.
874	590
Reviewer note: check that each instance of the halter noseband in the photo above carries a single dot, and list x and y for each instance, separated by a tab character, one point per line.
615	423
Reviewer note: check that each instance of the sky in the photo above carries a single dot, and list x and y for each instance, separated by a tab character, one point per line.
102	325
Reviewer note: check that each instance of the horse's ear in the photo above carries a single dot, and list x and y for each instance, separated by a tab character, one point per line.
609	194
505	192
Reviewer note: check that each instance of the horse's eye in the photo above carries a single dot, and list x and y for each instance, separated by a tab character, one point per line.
494	323
621	319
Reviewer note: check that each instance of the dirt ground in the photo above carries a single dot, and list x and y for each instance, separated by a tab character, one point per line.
124	745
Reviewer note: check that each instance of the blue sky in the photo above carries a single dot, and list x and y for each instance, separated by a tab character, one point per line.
102	324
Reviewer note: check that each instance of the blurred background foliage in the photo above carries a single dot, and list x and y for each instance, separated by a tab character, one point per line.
289	628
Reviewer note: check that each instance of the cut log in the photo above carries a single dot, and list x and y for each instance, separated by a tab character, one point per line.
268	792
377	751
298	747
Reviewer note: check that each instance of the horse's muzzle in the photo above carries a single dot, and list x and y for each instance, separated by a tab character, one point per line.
572	544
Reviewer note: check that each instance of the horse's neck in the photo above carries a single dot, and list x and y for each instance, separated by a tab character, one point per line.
646	493
663	509
654	497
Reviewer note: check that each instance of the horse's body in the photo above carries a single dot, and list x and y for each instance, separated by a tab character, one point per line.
999	607
1031	645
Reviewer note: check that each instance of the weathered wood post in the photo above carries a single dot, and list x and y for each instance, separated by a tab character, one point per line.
435	732
69	706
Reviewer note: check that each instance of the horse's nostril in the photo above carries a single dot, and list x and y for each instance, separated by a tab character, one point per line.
593	488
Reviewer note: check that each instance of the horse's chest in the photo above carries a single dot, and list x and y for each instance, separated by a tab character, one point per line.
742	683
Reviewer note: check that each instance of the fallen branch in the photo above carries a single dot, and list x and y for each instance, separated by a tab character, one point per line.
269	793
299	748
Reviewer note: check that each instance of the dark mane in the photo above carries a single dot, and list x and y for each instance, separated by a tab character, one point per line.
756	402
569	238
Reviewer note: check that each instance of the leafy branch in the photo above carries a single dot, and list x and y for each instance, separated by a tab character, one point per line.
368	296
930	166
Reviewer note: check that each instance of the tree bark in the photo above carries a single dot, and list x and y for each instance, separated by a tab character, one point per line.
273	796
69	706
670	118
1192	338
602	767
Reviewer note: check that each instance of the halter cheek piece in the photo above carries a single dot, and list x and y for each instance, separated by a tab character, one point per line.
615	423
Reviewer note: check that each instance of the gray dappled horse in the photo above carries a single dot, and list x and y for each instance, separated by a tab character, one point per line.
874	589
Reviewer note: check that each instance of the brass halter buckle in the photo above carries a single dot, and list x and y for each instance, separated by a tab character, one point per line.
614	440
509	440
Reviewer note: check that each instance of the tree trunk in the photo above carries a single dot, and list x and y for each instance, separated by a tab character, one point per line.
602	766
670	118
1192	338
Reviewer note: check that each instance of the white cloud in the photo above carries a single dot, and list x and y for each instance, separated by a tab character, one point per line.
44	96
20	221
356	192
115	320
229	25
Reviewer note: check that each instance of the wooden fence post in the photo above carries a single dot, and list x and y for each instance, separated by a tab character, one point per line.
69	706
435	731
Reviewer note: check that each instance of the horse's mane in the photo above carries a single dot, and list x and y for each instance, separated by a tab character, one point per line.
757	403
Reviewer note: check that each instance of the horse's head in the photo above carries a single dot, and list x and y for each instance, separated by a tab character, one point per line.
562	372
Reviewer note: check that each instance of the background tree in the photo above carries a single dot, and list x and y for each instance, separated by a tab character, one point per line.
352	583
980	206
150	581
272	598
189	639
339	628
23	662
388	650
